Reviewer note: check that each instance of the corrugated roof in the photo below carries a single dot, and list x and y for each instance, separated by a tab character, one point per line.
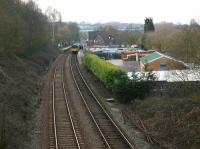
173	75
151	57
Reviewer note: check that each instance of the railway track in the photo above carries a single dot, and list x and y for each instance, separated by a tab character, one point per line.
109	131
65	133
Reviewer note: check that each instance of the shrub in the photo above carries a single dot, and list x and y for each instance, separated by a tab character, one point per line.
115	79
105	71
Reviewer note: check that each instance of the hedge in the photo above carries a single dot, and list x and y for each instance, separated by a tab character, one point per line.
115	79
105	71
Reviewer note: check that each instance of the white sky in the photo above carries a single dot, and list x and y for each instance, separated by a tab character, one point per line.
130	11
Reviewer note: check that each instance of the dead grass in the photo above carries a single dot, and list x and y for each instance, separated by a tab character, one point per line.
175	122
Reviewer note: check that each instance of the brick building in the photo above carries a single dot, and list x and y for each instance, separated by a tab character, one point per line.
160	62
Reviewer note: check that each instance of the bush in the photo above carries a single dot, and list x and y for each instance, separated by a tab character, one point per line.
104	70
115	79
127	90
175	121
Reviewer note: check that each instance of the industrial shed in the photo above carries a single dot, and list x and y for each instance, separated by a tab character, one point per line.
160	62
135	55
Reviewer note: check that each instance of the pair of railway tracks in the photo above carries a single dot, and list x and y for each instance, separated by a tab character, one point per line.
66	132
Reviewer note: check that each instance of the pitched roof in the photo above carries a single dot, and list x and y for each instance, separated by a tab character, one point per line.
151	57
156	55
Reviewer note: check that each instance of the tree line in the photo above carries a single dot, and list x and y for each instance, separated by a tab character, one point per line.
181	41
178	40
67	33
25	30
28	43
24	42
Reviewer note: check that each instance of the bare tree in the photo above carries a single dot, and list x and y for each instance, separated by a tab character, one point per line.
53	16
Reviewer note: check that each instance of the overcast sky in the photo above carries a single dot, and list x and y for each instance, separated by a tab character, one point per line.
130	11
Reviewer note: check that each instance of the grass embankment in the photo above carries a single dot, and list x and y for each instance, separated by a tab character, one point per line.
20	88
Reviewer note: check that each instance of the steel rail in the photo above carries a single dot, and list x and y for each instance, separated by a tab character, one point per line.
101	107
68	109
94	96
87	107
54	111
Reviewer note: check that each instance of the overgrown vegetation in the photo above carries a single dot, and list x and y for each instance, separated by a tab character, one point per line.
117	81
173	117
180	41
24	29
20	88
26	51
174	122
